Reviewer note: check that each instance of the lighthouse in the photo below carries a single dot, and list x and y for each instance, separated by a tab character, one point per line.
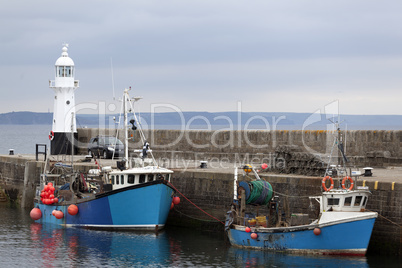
64	129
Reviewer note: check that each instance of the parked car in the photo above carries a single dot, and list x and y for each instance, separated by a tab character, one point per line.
104	146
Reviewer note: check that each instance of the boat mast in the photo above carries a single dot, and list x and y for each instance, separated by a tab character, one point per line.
125	99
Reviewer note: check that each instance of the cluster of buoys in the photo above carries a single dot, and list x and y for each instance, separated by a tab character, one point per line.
47	195
175	201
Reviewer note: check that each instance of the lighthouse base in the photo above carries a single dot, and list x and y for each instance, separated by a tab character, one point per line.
61	143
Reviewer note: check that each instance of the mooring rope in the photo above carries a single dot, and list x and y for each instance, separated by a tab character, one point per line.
191	217
400	226
195	204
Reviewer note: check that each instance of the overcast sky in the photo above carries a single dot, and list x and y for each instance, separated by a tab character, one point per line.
204	55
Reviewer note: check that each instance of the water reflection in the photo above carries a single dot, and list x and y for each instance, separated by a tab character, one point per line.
256	258
100	248
27	244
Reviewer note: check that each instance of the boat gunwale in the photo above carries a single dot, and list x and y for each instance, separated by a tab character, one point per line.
311	226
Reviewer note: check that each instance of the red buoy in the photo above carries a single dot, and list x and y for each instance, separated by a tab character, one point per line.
53	212
171	206
248	229
264	166
254	235
35	214
59	214
72	210
56	200
317	231
176	200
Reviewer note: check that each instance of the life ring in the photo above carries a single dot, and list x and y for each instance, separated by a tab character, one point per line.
51	135
351	183
323	183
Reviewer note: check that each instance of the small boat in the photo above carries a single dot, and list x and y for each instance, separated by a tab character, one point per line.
343	226
137	196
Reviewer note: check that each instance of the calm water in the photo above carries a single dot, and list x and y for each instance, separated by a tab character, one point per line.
22	138
27	244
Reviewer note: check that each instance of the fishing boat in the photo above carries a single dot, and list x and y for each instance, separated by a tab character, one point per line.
134	195
343	226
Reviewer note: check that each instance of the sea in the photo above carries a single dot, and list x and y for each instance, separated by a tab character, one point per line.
24	243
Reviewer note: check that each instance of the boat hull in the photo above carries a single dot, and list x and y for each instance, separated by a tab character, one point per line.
144	206
340	238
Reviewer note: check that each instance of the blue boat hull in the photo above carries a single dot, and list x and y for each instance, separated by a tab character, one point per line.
144	206
347	238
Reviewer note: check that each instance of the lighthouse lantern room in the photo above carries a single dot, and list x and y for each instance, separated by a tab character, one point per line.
64	129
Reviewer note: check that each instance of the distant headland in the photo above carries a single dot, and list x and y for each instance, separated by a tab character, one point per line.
218	120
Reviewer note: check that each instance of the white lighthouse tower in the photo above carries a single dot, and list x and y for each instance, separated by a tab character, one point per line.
64	123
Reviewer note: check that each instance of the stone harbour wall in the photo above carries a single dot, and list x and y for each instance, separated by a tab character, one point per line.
363	147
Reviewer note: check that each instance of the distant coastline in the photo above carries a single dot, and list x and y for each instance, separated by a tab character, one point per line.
218	120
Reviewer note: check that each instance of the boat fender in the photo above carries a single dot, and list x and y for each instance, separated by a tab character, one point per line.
323	183
176	200
253	235
317	231
59	214
72	209
351	183
35	214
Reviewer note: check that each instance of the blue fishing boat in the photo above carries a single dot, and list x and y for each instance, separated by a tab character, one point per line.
135	195
343	226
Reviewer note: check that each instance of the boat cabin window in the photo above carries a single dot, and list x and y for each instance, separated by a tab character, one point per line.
358	200
142	178
117	179
112	179
163	176
150	177
131	178
333	201
122	179
348	201
364	201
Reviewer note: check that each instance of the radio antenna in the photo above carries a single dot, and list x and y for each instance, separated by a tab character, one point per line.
111	66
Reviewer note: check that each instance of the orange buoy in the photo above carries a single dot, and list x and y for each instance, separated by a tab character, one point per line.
171	206
317	231
248	229
53	212
176	200
248	168
254	235
35	214
72	210
59	214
